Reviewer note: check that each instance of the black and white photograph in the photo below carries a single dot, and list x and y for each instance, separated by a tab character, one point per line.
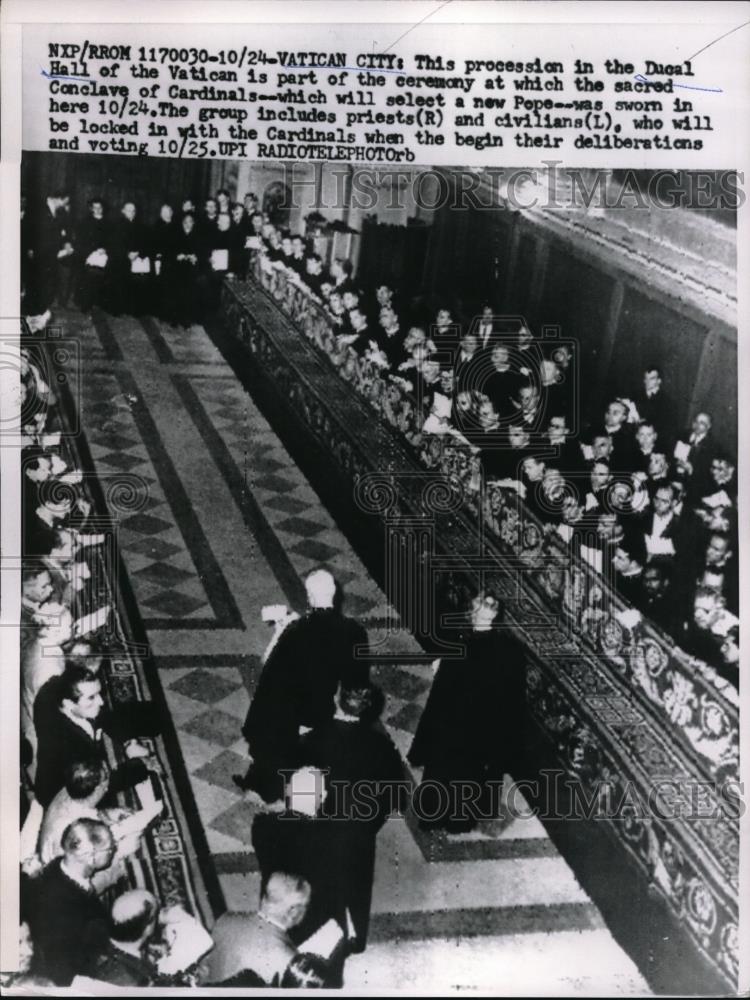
380	578
377	549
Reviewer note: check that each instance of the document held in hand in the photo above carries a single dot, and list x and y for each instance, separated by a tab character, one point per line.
220	260
90	623
98	258
324	940
140	265
658	546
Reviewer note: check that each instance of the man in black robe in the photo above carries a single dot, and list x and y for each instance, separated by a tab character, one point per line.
366	782
471	730
302	673
52	253
131	266
94	258
184	275
162	242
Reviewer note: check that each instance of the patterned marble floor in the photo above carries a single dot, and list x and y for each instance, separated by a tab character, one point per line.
221	522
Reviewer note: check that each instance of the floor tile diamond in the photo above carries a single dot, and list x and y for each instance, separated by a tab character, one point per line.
219	771
288	504
115	442
174	604
406	718
157	548
150	501
318	551
275	484
164	574
121	460
215	727
237	822
147	524
205	685
300	526
358	606
398	682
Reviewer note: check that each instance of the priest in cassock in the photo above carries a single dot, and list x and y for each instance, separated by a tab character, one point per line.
162	244
94	253
183	275
131	265
471	730
366	783
312	657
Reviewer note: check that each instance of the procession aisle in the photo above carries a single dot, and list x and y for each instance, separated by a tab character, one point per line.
230	524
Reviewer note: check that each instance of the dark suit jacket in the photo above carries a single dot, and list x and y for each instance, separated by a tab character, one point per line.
700	483
121	969
68	926
93	234
663	611
62	743
128	237
659	411
502	388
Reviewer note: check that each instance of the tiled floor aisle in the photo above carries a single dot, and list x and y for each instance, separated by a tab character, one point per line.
224	522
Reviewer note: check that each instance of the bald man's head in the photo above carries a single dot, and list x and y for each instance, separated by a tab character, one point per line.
133	916
321	589
285	899
88	844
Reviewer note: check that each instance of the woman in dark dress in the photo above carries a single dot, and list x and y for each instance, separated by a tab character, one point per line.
471	730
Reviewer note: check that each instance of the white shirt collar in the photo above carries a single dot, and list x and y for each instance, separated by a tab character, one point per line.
83	724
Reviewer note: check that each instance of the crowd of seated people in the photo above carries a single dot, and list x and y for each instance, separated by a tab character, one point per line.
651	506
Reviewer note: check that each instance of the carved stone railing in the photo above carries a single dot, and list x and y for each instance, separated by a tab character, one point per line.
625	711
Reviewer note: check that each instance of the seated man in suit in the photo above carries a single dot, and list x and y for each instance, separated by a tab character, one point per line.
501	384
132	922
645	438
468	363
487	330
86	784
260	942
694	453
711	622
568	456
730	656
36	589
67	919
656	598
661	526
718	568
74	734
617	428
